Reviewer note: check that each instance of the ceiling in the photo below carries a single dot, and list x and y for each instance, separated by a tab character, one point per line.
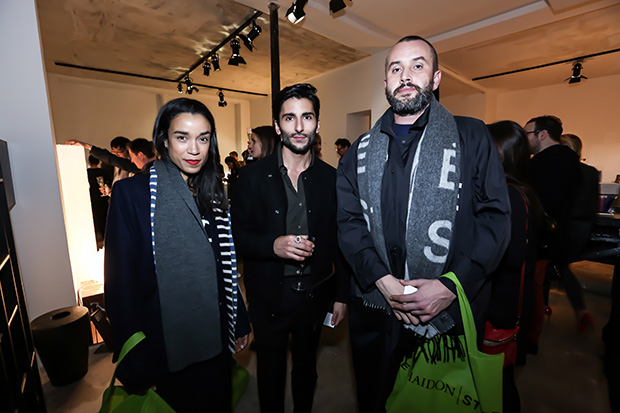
149	40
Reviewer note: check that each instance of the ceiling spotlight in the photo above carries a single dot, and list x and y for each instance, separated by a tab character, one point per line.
222	103
235	59
576	76
190	87
336	5
295	13
180	88
206	67
249	39
215	61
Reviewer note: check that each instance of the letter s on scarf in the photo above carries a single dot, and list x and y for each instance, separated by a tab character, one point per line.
438	240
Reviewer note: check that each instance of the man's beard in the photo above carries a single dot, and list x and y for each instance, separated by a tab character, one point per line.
410	106
286	141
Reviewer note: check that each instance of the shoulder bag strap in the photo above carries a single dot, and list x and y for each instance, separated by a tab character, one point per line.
469	326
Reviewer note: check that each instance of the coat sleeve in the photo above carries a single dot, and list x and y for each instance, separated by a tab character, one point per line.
484	230
252	239
243	322
130	285
109	158
355	240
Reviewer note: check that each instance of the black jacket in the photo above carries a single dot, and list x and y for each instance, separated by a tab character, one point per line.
258	209
131	290
481	226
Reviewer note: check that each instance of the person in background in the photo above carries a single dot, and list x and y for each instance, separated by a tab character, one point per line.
233	166
317	146
342	146
170	268
395	230
142	153
118	157
263	142
98	179
586	201
512	286
554	174
284	223
247	157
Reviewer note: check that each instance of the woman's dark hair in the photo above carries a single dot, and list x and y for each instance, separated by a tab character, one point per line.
235	163
206	185
268	139
512	144
511	141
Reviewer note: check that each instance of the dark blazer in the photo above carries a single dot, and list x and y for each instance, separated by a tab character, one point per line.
258	210
584	211
131	290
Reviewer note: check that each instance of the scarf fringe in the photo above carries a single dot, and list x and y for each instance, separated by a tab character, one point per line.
442	348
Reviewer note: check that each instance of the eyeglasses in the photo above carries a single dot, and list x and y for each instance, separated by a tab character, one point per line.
534	131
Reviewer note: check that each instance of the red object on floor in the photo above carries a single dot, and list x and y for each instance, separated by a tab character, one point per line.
586	321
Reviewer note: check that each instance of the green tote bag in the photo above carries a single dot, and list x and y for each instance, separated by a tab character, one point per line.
448	374
117	400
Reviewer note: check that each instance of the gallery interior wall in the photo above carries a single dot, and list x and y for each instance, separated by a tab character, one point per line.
97	111
26	124
588	109
101	110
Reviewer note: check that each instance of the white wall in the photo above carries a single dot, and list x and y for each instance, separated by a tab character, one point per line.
97	111
25	123
466	105
588	109
341	92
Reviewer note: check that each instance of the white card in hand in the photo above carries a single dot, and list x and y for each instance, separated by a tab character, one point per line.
328	320
410	289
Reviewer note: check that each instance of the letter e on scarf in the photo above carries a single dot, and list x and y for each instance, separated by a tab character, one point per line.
433	234
446	168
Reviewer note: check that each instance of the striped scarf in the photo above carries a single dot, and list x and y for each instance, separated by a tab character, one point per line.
186	270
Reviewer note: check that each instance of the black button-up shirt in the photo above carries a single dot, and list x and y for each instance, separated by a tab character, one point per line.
296	213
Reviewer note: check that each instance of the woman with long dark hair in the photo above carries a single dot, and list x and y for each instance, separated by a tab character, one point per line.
512	296
263	141
170	268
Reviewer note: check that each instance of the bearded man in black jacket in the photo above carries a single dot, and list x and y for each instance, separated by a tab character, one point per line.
423	193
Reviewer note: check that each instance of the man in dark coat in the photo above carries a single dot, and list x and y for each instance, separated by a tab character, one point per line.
421	194
284	225
556	175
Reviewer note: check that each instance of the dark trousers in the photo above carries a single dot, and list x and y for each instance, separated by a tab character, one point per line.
511	401
201	387
378	346
295	318
571	284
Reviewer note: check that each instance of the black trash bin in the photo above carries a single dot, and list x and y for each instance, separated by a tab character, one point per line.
61	338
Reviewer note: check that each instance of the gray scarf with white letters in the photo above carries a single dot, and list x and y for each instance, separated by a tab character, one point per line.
433	196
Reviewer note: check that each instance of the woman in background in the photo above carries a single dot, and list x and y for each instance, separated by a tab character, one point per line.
519	260
233	166
262	142
170	268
